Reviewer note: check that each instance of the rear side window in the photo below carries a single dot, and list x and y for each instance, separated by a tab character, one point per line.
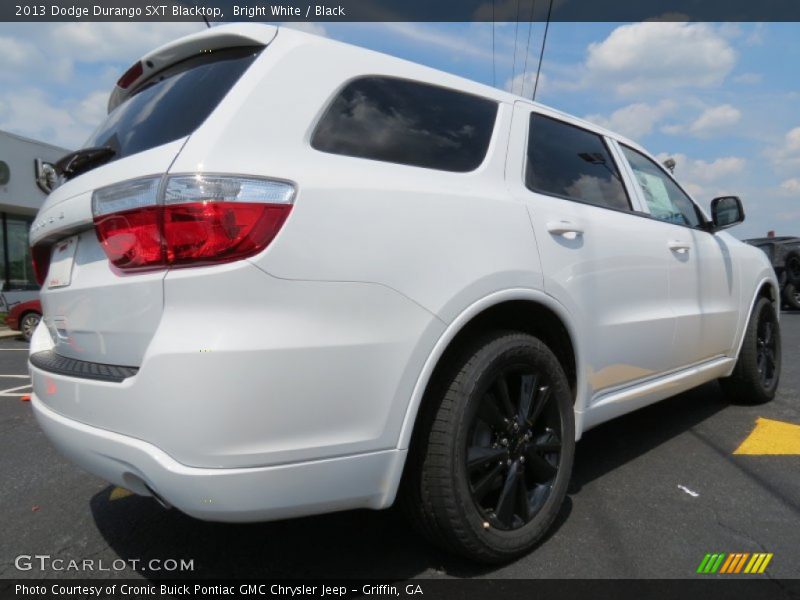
572	163
399	121
173	103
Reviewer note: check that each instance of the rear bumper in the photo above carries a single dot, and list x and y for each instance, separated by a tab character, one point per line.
248	371
233	495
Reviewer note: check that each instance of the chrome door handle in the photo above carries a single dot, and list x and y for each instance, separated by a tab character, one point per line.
679	246
566	229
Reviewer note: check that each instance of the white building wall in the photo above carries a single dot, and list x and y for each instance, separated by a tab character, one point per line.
20	195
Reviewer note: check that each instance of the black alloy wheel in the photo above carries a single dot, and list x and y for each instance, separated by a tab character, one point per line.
513	448
766	347
757	372
491	457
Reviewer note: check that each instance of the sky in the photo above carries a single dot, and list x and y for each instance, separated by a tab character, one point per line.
721	99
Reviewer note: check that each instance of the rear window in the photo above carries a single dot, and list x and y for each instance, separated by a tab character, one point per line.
409	123
572	163
173	103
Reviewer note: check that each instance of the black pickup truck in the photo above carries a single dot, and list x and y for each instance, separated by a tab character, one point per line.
784	253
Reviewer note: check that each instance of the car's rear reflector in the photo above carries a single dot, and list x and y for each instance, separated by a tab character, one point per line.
41	261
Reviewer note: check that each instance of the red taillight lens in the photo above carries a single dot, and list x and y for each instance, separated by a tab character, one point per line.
132	238
220	231
192	220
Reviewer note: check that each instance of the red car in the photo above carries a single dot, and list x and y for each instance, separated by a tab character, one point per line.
24	317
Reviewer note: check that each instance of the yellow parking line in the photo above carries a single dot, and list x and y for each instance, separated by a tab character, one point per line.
771	437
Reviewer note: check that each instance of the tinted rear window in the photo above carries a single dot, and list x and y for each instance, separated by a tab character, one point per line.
174	103
410	123
572	163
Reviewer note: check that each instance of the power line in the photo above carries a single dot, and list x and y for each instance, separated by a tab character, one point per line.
514	63
494	77
541	54
527	48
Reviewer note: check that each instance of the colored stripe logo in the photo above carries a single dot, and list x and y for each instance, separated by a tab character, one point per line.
733	563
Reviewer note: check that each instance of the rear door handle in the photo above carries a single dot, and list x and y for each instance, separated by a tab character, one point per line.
679	246
566	229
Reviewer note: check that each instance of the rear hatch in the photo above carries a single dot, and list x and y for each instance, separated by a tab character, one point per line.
94	311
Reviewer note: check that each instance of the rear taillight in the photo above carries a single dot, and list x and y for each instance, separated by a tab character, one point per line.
189	220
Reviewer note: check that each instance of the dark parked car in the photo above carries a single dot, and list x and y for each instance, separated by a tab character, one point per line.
24	317
784	253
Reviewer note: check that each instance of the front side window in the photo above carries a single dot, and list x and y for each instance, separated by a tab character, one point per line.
399	121
572	163
665	200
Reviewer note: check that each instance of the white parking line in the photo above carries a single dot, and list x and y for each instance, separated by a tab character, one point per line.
13	349
9	391
16	376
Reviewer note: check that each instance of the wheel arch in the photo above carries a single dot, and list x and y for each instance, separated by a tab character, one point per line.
526	310
767	288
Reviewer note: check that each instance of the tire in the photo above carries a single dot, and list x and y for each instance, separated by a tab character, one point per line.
28	324
757	373
479	511
791	296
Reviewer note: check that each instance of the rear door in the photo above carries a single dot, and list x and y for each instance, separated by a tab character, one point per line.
604	262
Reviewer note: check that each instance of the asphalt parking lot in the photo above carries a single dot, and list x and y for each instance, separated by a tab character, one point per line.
651	494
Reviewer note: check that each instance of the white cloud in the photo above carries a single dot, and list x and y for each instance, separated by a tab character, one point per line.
787	154
31	112
756	37
37	52
704	179
48	68
653	57
523	84
791	186
437	38
635	120
93	108
105	42
712	121
748	78
715	120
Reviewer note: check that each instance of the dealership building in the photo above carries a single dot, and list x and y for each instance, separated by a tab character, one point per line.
26	173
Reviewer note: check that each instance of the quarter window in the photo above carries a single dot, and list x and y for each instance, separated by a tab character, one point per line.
665	200
399	121
572	163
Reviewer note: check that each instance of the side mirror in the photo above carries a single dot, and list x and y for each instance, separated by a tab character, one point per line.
726	211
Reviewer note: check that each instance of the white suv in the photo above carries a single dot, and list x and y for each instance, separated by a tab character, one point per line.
290	276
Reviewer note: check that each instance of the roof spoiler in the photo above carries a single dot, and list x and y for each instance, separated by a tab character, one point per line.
215	38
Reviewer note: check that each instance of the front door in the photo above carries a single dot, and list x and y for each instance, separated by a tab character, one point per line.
704	286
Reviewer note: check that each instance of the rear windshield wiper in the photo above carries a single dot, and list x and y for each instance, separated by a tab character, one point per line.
85	159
